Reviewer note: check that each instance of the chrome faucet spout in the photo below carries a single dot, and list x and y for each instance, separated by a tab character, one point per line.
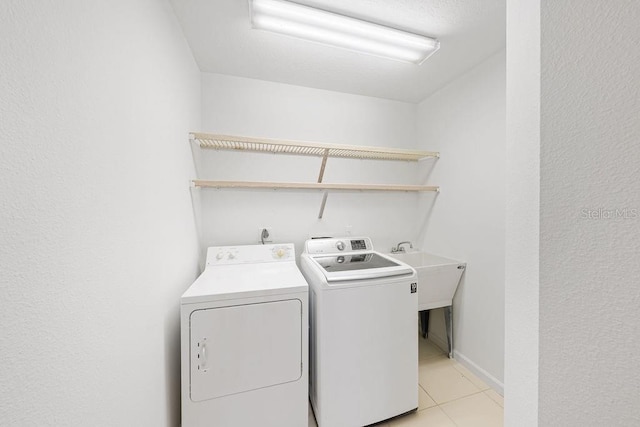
400	248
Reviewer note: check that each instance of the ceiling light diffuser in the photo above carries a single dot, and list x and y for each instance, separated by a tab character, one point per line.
341	31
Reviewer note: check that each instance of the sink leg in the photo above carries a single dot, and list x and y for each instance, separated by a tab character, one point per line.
424	323
448	321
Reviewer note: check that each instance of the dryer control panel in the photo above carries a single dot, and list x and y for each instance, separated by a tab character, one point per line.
250	254
338	245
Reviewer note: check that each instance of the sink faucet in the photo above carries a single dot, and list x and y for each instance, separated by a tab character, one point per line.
399	247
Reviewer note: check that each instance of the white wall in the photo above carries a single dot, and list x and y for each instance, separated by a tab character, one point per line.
589	266
523	213
465	121
96	225
241	106
574	130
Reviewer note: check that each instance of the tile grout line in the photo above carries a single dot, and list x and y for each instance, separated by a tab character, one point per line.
479	389
489	396
462	397
430	397
458	398
437	405
447	415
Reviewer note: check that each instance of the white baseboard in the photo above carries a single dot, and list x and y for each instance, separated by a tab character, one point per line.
489	379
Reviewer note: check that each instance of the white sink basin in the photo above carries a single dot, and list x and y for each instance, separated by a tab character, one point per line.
438	277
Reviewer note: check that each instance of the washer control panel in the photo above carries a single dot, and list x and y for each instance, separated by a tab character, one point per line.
229	255
338	245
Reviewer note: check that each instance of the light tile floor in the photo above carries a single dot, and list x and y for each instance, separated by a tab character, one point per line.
449	395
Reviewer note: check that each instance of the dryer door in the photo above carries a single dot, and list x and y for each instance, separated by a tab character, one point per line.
245	347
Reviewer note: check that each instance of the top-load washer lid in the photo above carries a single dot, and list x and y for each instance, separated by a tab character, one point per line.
363	261
359	266
353	259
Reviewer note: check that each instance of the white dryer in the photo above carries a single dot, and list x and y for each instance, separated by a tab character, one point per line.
364	333
244	340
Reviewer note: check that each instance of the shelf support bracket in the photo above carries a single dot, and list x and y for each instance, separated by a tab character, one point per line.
324	202
320	176
323	165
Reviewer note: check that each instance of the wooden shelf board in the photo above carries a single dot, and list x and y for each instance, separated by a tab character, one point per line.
312	186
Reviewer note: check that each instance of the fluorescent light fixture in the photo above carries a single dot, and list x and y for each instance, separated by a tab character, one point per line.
329	28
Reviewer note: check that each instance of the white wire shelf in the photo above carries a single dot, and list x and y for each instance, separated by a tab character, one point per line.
316	149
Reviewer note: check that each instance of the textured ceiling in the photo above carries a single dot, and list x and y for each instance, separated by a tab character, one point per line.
222	40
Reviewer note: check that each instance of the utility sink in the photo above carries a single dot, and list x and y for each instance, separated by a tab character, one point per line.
438	277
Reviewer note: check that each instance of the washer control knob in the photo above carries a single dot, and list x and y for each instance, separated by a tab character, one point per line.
219	256
231	256
340	246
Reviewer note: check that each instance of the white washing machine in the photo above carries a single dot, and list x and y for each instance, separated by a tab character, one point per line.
244	340
364	333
